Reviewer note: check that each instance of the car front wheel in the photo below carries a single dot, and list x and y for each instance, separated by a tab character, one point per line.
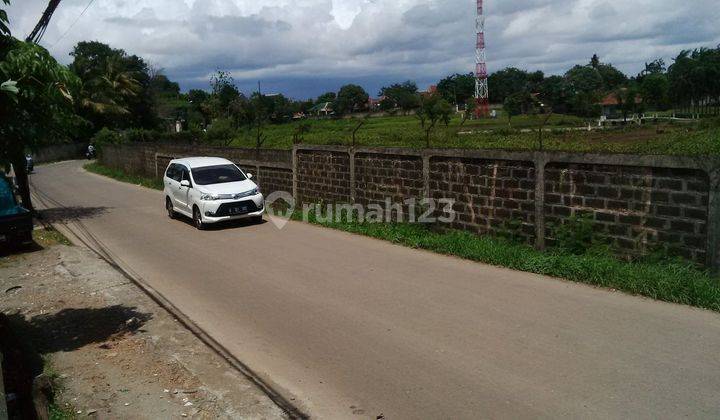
197	219
169	207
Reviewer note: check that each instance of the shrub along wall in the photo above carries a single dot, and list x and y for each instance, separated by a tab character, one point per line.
635	208
635	203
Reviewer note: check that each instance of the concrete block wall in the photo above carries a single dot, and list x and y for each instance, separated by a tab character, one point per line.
275	179
323	175
57	152
272	172
636	209
636	202
378	177
491	196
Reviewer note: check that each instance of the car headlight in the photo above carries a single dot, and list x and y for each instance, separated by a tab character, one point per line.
209	197
248	193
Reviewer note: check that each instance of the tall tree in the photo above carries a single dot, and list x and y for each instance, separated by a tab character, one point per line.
40	112
433	110
586	85
555	91
326	97
116	90
655	89
612	78
457	88
400	95
350	98
506	82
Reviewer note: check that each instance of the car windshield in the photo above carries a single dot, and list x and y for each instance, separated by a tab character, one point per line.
217	174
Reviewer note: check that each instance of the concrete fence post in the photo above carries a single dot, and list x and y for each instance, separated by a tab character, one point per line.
540	161
351	155
713	221
426	173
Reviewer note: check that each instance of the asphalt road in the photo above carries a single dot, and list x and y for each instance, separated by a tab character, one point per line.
351	327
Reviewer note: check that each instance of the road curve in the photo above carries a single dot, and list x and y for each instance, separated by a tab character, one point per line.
351	327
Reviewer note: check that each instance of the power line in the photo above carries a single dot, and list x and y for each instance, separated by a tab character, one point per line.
39	30
73	24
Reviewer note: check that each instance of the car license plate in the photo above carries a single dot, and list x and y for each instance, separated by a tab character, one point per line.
238	210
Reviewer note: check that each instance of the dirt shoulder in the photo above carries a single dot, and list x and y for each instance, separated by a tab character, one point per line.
113	351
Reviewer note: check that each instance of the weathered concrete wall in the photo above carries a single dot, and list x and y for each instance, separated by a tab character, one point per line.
275	179
637	209
272	168
59	152
637	203
323	176
379	177
491	196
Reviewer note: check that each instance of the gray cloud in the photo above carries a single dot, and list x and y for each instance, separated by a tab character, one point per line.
307	46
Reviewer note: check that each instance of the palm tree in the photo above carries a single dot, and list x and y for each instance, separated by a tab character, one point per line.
108	92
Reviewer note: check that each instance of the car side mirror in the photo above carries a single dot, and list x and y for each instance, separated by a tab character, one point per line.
249	175
185	183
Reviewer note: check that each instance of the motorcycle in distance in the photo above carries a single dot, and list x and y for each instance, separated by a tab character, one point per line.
90	154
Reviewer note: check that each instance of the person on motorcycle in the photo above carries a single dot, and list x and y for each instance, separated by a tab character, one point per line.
90	152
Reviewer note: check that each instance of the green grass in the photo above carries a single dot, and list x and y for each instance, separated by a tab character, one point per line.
48	237
405	131
119	175
672	281
57	411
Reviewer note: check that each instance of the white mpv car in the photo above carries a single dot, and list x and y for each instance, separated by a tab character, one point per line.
211	190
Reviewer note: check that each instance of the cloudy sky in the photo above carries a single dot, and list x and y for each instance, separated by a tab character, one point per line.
305	47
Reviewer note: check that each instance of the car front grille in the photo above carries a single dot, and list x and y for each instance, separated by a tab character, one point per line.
237	208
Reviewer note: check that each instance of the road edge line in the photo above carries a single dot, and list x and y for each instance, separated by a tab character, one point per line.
286	406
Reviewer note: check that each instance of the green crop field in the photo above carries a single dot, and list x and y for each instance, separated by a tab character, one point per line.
564	133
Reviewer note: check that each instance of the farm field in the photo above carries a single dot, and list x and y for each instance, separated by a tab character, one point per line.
563	133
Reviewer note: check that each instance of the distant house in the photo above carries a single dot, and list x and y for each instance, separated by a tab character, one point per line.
431	90
611	105
374	104
322	109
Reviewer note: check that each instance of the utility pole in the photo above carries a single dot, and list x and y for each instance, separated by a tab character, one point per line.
37	33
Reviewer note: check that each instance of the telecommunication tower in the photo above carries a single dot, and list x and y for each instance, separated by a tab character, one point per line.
482	104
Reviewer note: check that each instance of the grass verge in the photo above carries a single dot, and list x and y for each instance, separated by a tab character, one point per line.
119	175
48	237
671	281
56	409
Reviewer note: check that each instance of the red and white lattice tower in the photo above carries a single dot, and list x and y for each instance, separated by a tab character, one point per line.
482	106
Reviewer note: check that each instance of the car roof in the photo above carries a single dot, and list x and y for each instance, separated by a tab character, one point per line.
199	162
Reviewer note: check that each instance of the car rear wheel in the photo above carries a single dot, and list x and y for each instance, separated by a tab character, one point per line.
197	219
169	208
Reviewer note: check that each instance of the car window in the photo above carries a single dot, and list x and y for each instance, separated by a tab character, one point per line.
217	174
172	172
184	174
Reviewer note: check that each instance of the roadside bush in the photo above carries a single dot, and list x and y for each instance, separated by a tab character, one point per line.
709	123
221	132
577	236
505	132
139	135
183	137
106	136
